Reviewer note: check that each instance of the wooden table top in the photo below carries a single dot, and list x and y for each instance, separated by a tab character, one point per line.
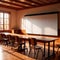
39	38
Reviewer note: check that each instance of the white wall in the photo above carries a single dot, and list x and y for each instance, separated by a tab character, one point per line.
49	8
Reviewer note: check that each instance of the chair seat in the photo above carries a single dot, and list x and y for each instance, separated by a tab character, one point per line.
38	47
58	45
5	39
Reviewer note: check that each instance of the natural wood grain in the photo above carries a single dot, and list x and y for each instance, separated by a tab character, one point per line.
26	4
7	54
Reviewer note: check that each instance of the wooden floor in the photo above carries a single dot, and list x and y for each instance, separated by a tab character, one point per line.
6	53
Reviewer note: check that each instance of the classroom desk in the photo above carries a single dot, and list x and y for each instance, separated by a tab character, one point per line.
48	40
39	39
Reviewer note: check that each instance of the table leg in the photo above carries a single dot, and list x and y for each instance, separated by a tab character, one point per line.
48	49
24	45
53	47
44	49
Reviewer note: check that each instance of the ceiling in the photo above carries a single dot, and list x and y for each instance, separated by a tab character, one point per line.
26	4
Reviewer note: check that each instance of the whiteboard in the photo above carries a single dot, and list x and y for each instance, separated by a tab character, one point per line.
41	24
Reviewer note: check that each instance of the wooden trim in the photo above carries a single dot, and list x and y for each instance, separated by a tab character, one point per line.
42	35
6	31
42	13
58	23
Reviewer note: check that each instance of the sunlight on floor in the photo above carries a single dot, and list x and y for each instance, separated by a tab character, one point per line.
1	53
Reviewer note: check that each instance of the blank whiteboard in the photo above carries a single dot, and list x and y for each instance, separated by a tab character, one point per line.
41	24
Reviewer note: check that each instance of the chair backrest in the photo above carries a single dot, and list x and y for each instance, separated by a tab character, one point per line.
3	35
12	39
32	41
58	45
0	36
19	40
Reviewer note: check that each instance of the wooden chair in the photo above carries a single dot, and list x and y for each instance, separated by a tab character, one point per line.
4	39
22	45
33	45
58	47
1	39
13	41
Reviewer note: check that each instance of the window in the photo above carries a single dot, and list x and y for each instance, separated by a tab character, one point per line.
4	21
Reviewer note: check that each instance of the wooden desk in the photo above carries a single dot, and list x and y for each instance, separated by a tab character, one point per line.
47	40
39	39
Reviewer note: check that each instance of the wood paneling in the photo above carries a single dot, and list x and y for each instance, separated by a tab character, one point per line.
25	4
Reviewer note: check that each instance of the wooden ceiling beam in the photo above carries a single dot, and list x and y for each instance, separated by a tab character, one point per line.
12	3
36	2
46	1
30	5
5	6
23	2
41	5
40	1
53	1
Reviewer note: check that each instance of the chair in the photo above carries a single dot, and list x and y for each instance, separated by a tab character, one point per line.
22	45
33	45
13	41
4	39
1	39
58	46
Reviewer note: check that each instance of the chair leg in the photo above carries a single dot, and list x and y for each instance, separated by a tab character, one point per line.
57	50
37	54
42	55
34	53
29	51
26	49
